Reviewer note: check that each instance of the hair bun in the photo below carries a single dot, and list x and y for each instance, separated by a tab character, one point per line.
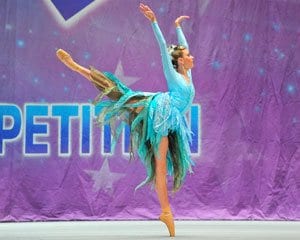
171	48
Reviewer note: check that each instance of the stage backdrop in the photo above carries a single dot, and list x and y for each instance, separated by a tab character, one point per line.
55	164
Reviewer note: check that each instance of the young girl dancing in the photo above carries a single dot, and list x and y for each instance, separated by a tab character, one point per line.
159	131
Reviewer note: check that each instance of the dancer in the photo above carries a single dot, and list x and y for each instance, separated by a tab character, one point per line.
159	132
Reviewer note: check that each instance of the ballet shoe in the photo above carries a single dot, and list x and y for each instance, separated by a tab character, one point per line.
67	59
167	218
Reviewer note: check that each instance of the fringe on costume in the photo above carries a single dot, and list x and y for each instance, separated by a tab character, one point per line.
150	117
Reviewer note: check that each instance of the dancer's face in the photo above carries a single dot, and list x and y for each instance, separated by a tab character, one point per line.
187	60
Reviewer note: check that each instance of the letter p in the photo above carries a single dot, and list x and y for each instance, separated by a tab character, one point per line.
10	124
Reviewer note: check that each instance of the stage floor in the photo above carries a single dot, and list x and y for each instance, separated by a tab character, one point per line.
143	230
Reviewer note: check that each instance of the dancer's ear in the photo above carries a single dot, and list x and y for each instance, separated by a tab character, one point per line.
180	61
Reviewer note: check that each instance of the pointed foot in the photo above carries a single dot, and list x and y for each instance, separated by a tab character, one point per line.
167	218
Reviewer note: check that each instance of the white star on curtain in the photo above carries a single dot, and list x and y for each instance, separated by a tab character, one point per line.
103	178
119	72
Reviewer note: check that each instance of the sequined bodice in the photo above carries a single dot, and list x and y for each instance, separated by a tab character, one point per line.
182	95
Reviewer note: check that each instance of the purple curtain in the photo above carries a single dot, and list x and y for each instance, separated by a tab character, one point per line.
55	164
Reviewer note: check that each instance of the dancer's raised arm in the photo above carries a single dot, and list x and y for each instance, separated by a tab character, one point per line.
148	13
180	36
169	71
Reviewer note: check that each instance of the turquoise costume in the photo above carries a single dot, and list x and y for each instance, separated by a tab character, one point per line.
162	115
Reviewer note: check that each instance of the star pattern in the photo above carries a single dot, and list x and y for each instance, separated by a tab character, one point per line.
247	37
261	71
20	43
8	27
103	178
216	65
119	72
276	27
291	89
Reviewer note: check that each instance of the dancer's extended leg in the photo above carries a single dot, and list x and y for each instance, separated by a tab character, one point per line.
70	63
100	80
161	186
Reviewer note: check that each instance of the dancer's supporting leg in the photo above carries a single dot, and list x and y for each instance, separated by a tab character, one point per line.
70	63
161	186
160	160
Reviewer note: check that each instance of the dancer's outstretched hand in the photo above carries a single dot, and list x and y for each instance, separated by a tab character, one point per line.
148	13
180	19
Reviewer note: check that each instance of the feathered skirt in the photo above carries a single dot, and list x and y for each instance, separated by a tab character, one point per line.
150	117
